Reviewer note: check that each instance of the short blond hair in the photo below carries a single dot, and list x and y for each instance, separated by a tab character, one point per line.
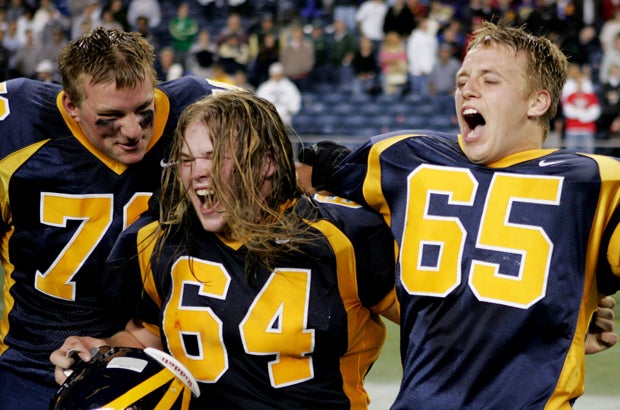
106	55
547	64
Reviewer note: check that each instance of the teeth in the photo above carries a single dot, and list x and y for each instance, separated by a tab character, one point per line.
470	111
205	191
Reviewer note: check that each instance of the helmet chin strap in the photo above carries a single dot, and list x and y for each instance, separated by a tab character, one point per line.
176	367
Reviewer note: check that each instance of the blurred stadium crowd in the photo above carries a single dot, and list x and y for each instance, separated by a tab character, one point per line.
350	59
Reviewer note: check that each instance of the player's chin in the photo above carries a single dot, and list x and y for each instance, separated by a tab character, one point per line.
129	157
477	154
215	222
473	148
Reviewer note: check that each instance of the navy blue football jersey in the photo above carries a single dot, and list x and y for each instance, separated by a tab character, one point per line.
497	265
302	335
62	206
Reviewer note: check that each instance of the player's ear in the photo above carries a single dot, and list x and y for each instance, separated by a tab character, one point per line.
540	102
69	106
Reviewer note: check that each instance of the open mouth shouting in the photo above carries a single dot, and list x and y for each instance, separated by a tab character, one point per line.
475	124
206	197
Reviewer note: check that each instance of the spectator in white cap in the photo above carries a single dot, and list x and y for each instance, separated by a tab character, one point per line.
282	92
45	71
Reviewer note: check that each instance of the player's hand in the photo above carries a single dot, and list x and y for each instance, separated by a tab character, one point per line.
323	157
601	334
74	349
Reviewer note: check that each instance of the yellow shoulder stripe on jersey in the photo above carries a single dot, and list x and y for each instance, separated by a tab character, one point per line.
162	112
5	109
8	166
372	187
146	240
571	382
609	194
366	334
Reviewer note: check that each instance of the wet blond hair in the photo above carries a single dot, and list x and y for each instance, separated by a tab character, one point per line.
106	55
248	130
547	65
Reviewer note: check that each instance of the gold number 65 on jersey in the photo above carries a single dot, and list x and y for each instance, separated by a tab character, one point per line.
496	233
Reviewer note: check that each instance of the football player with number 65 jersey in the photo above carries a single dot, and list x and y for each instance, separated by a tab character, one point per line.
92	162
504	247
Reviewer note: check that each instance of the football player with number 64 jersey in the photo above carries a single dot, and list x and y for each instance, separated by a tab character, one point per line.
268	297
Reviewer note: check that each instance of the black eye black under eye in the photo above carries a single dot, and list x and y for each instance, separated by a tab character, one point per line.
147	118
104	123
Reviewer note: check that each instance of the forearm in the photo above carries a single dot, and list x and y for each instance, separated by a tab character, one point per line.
135	335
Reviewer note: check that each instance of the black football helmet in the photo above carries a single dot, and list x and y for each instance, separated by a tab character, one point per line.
123	378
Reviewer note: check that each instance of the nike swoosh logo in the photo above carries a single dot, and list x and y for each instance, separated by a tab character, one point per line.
545	163
165	164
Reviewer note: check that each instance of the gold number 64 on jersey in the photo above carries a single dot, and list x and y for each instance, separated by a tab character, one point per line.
275	324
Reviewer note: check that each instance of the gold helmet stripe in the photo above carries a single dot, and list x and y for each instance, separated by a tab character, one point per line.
143	389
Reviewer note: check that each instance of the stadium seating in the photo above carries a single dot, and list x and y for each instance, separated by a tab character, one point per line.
330	124
442	122
357	124
342	114
306	123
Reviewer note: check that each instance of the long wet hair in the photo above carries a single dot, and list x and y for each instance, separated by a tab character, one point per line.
248	130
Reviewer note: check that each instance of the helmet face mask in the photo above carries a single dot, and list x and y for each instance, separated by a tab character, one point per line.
122	378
